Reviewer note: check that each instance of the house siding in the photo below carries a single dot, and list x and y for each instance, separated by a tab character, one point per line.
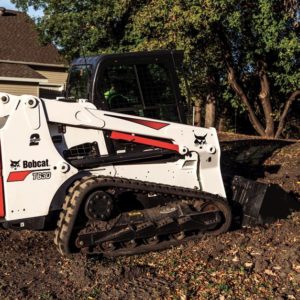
16	88
54	76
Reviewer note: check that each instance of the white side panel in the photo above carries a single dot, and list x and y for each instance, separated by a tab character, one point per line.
181	173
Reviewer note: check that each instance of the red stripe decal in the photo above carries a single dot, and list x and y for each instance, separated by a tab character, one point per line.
18	176
2	207
142	140
151	124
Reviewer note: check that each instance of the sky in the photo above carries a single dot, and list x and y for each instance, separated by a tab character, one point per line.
8	5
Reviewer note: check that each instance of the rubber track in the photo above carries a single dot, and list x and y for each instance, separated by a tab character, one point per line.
77	192
67	217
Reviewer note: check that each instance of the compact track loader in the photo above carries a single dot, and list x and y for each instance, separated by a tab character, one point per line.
111	163
54	157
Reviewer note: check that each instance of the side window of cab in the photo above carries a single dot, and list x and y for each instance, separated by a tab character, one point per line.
78	82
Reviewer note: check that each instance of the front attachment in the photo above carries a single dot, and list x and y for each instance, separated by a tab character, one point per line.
256	203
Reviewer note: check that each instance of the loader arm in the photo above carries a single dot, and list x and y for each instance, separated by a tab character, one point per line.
182	139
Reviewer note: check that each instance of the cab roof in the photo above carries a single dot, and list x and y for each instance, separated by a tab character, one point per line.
167	56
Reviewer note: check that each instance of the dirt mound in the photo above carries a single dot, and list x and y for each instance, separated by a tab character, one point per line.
265	160
250	263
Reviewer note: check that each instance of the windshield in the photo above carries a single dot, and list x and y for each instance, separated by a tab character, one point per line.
142	89
78	83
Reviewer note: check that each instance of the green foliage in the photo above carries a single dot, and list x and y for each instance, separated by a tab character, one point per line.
83	27
254	31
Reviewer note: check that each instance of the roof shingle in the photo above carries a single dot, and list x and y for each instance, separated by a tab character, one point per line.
19	41
19	71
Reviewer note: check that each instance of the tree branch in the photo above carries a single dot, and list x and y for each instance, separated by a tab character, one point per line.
239	91
234	83
264	97
287	105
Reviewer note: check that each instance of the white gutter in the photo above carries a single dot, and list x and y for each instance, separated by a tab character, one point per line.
18	79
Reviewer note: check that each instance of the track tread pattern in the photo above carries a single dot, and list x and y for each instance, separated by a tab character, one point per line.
67	217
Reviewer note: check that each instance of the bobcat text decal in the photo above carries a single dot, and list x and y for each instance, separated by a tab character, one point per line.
37	174
35	164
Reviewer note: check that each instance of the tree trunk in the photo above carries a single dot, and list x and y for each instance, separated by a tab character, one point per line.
287	105
240	93
264	97
210	111
197	114
221	123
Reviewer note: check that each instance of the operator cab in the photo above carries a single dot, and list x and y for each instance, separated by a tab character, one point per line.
140	83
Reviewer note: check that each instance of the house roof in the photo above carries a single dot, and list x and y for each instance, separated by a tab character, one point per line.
18	71
19	41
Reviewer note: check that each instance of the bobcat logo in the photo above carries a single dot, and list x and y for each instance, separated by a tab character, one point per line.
200	140
14	164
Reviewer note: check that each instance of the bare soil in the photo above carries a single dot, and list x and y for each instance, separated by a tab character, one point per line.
249	263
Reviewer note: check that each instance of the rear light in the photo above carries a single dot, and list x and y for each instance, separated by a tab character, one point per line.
2	209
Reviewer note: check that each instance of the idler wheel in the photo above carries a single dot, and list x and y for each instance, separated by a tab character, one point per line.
225	212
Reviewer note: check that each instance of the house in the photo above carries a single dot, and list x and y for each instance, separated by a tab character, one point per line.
27	66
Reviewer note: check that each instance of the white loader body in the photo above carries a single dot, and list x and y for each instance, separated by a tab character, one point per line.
36	133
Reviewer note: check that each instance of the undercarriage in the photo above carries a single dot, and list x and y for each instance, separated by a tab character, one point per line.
116	216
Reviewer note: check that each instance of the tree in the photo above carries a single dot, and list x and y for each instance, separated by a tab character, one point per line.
252	47
238	53
261	44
